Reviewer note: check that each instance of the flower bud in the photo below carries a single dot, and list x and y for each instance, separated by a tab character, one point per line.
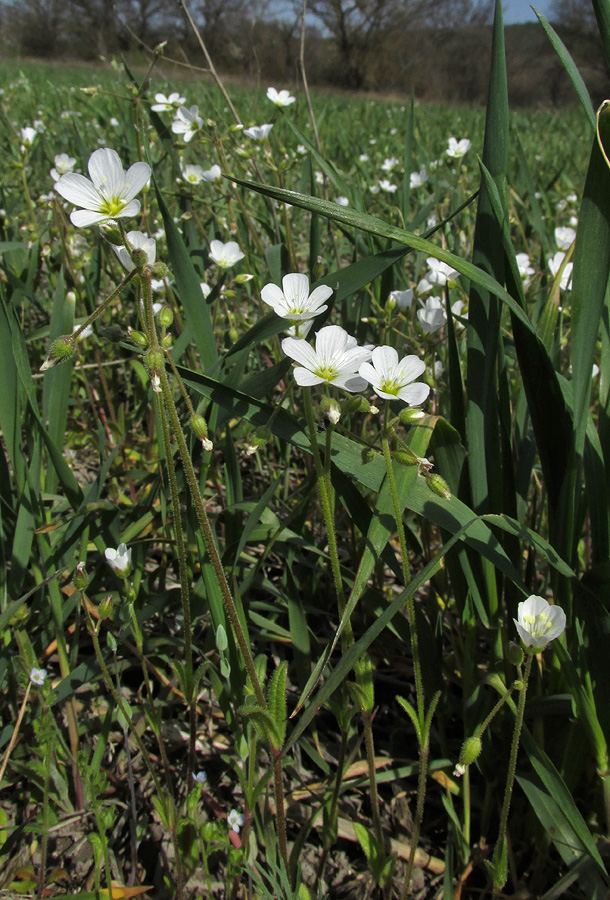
166	341
243	278
409	415
139	339
158	270
368	455
139	257
166	317
105	607
438	485
356	404
260	437
61	351
199	426
159	50
80	579
514	653
112	234
405	458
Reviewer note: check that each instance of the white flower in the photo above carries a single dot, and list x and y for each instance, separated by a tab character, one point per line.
187	122
438	368
418	179
564	237
391	379
423	286
538	622
119	560
85	333
258	132
525	267
572	197
554	266
225	255
110	193
166	104
432	221
402	299
192	174
28	135
206	290
301	149
341	201
364	157
212	174
63	165
137	241
439	272
38	676
335	360
457	149
387	186
389	164
235	820
294	301
280	98
432	316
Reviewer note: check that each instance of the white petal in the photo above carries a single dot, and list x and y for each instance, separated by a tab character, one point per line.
320	294
331	341
106	171
411	367
77	189
296	287
306	378
132	209
299	350
368	372
82	218
384	358
353	383
136	178
273	295
414	394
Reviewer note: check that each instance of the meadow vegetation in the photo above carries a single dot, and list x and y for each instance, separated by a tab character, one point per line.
304	481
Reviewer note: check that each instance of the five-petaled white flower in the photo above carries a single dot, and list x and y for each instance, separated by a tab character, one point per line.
258	132
166	104
565	236
439	272
192	174
119	560
538	622
418	179
187	122
457	149
386	185
225	255
389	164
38	676
293	301
235	820
392	379
28	135
212	174
63	165
526	269
335	360
280	98
432	315
402	299
342	201
137	241
110	193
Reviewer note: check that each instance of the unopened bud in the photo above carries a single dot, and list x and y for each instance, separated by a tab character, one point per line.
105	607
408	415
139	339
159	50
199	426
112	234
243	278
390	303
356	404
166	341
90	91
236	128
514	653
158	270
233	334
166	317
368	455
405	458
439	486
260	437
61	351
138	257
80	579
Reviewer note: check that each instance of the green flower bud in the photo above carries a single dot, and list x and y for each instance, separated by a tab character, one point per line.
166	317
159	50
368	455
233	334
80	579
139	339
260	437
243	278
61	351
199	426
105	607
166	341
139	257
514	653
20	616
409	415
112	234
439	486
158	270
356	404
331	409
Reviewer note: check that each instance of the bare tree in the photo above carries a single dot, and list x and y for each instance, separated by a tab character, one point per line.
36	25
578	15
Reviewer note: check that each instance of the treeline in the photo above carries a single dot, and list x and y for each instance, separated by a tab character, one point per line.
437	49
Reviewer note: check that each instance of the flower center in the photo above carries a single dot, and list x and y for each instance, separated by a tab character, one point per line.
391	386
112	206
326	372
538	624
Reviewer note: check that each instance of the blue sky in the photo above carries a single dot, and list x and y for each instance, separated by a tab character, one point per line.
520	10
